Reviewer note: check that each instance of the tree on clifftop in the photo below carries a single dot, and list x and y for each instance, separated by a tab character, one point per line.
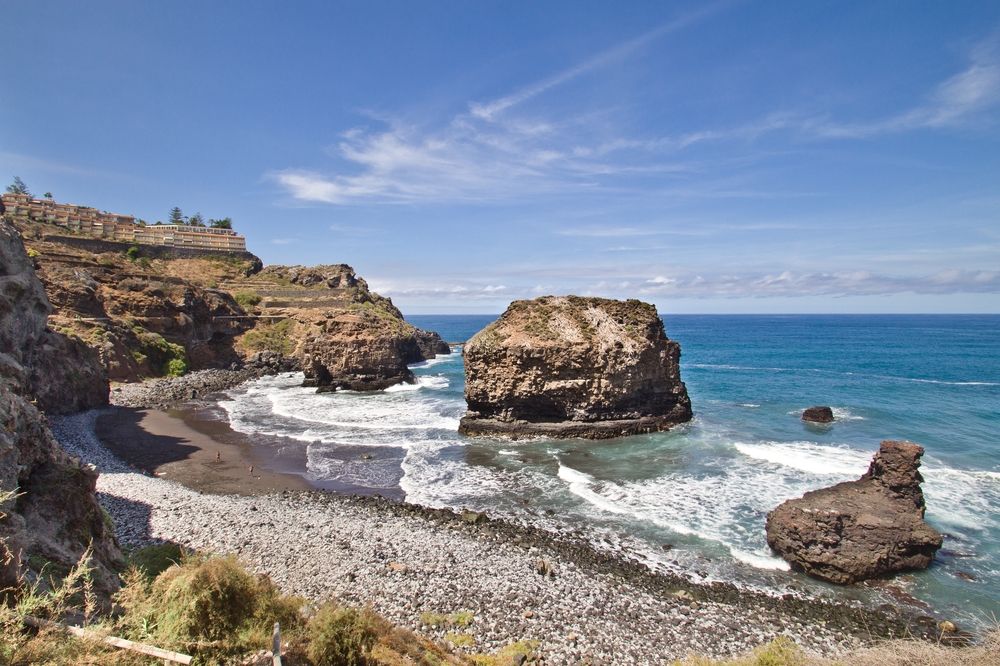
18	187
224	223
176	216
197	220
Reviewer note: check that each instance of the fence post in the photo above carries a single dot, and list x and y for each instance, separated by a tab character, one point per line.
276	651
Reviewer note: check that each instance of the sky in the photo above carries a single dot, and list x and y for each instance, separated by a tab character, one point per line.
729	157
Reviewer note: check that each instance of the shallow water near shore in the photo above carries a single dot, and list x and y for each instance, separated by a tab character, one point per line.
695	499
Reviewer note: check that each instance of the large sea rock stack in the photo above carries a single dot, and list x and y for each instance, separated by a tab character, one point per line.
860	529
568	366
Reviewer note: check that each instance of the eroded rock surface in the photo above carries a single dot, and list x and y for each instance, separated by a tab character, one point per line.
55	516
344	335
860	529
573	367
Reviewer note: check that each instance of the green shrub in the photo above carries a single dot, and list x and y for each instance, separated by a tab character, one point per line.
271	337
175	367
342	636
151	561
132	253
247	299
214	607
144	262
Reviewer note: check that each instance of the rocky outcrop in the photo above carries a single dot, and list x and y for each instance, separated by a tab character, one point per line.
346	336
860	529
818	415
55	517
573	367
431	344
360	350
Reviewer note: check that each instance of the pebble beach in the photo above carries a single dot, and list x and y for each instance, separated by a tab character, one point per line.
443	575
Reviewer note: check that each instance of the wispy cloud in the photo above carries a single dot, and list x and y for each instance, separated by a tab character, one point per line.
283	241
490	110
702	286
499	152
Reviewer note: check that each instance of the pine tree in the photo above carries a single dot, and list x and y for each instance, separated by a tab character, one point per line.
18	187
176	216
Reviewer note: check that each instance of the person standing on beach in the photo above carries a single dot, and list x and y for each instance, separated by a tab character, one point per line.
251	471
218	457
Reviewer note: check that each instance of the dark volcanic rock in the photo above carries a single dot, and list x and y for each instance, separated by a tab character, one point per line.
818	415
431	344
860	529
573	367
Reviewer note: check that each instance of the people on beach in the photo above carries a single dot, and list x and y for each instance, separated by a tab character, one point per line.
251	471
218	457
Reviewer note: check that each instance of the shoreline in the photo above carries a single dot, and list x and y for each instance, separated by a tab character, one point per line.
718	619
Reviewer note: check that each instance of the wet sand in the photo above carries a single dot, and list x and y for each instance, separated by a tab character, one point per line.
166	445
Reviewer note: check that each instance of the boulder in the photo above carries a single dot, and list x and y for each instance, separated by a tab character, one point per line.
573	367
431	344
818	415
860	529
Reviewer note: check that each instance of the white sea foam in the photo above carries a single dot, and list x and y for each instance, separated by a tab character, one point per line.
841	461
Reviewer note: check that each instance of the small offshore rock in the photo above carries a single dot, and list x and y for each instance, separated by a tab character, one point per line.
474	517
818	415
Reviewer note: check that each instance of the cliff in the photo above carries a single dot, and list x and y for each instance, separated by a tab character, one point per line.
55	516
860	529
573	367
343	334
143	312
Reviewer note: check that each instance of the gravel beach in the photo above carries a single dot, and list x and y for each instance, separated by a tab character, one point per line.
408	561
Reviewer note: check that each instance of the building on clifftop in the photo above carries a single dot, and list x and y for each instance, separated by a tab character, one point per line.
122	228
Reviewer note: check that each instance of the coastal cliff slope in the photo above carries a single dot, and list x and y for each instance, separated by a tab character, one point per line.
55	516
568	366
343	334
143	312
861	529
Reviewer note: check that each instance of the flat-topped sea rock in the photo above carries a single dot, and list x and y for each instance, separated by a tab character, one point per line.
567	366
861	529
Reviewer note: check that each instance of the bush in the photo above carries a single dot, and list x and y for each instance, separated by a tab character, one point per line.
132	253
247	299
211	606
343	636
271	337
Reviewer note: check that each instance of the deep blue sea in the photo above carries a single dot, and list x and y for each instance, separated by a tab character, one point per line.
694	500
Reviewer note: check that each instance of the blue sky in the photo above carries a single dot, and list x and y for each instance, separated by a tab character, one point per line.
706	157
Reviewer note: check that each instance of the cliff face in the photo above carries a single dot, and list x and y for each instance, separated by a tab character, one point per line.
141	316
860	529
573	367
56	517
344	335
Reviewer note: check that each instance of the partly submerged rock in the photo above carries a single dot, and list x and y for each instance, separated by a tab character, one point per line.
818	415
573	367
860	529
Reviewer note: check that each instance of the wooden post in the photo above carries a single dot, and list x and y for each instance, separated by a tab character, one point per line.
166	655
276	651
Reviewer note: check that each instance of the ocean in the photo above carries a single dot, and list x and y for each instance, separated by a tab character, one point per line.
694	500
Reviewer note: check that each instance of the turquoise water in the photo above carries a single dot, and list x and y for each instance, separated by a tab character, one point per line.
693	500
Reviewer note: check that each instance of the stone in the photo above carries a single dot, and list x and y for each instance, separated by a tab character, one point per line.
818	415
474	517
861	529
573	367
543	568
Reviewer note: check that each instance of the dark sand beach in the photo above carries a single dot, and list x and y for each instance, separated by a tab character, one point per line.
166	445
